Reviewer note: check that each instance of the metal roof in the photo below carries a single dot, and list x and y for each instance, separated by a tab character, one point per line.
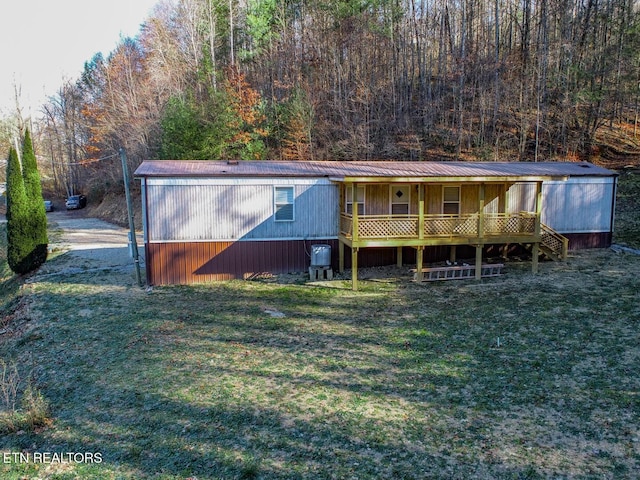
377	171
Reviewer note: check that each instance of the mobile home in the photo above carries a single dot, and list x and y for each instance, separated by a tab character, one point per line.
216	220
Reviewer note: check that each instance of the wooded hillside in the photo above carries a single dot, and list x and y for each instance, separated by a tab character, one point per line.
355	79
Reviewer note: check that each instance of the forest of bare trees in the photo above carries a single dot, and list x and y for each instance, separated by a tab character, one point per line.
526	80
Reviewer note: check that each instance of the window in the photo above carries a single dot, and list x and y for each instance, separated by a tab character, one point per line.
283	202
359	200
451	200
400	196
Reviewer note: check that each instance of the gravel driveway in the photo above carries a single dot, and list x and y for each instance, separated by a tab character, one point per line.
88	244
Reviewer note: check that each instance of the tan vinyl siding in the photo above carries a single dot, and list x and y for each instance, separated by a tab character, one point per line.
494	198
377	199
434	199
521	197
415	200
469	198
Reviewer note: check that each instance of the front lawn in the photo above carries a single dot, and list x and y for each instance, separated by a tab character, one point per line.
520	376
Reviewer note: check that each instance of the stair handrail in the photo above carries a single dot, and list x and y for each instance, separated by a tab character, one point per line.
558	239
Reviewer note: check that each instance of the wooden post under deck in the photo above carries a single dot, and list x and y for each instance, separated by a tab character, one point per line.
478	262
452	253
419	263
354	268
341	247
399	257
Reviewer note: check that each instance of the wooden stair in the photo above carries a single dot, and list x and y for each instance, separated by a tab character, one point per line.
552	244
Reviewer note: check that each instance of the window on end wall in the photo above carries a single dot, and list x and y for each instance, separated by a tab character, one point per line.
283	203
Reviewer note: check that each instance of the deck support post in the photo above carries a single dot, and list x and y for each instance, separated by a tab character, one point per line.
452	253
478	262
419	263
354	268
535	250
354	213
399	257
505	251
538	220
341	247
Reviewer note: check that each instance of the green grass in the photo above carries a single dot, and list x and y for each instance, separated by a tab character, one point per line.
627	208
9	283
521	376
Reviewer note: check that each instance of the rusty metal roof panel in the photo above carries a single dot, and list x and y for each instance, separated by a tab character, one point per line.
365	170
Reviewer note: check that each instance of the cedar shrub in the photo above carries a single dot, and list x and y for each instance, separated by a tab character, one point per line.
19	244
35	204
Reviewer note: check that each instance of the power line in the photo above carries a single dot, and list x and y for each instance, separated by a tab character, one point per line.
87	161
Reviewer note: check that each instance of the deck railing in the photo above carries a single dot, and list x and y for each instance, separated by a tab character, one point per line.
466	225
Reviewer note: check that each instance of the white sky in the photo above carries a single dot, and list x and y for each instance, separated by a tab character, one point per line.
44	42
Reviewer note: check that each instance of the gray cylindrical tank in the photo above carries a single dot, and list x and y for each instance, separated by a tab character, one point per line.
321	255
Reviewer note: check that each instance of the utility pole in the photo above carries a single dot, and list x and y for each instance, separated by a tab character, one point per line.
132	229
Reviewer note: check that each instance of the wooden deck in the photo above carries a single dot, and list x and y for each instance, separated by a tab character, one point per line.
412	230
422	231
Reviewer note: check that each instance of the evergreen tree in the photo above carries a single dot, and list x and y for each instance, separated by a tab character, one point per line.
19	243
35	204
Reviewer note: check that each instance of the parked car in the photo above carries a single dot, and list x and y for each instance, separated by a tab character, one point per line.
48	206
75	202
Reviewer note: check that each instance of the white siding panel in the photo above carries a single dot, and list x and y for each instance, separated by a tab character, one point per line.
578	205
205	211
